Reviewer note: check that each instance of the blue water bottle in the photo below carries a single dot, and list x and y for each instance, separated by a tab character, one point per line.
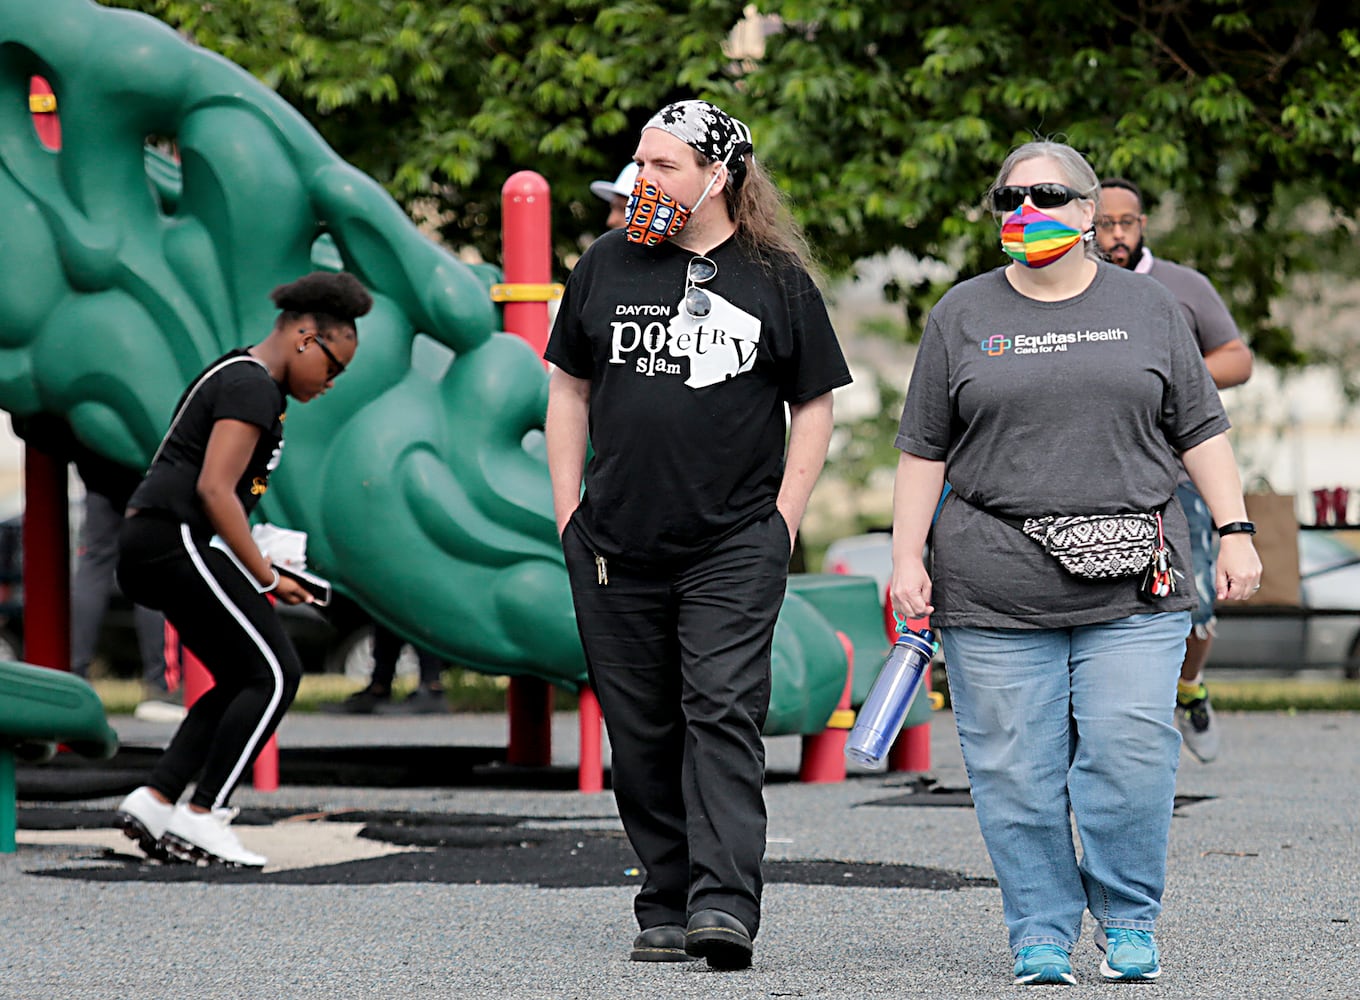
880	719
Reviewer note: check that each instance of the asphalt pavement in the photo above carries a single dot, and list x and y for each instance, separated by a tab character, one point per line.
469	878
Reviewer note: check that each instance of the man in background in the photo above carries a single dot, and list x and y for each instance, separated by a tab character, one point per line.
616	192
1119	233
107	488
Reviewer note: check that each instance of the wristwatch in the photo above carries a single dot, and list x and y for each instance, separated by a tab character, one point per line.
1236	528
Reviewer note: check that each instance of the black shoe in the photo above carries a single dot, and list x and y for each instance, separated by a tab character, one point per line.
421	701
719	937
362	702
660	944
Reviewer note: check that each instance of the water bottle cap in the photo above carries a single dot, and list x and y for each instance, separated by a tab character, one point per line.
903	629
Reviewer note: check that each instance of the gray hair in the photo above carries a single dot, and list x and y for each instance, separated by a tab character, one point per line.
1071	164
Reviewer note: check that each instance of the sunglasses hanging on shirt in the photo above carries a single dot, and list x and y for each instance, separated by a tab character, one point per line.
696	302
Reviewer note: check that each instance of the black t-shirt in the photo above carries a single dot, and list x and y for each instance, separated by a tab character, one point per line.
687	416
234	387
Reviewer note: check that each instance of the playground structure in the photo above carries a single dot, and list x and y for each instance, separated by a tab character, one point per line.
40	709
420	479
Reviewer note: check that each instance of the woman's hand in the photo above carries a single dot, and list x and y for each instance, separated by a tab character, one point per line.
910	588
290	591
1239	568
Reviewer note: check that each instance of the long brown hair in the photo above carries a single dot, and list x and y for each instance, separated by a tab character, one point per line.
764	223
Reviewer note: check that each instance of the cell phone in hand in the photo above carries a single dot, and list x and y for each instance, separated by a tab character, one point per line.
319	588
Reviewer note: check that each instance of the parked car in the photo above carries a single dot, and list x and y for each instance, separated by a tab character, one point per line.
1322	633
336	640
862	555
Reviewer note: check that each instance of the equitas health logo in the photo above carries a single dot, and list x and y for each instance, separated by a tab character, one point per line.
1048	343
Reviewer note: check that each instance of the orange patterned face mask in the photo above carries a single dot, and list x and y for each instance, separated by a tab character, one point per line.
652	215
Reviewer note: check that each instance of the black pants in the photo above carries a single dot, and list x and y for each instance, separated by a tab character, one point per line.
387	650
92	587
680	661
235	632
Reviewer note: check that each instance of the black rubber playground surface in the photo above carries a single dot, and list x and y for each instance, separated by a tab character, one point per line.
549	852
447	848
70	777
469	848
451	848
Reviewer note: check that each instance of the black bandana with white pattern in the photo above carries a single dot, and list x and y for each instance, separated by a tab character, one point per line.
706	127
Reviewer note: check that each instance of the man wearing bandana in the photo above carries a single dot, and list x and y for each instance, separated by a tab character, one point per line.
1119	234
682	341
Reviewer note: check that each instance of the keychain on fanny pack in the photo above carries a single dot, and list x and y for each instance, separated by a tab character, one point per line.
1160	578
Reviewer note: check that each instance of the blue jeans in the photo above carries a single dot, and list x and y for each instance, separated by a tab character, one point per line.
1077	720
1203	557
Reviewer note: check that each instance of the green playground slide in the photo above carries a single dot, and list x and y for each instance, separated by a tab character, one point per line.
420	479
40	709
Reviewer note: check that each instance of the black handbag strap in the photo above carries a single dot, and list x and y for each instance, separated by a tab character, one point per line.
1019	523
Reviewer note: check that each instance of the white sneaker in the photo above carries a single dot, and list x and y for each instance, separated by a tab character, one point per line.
1198	724
207	838
143	818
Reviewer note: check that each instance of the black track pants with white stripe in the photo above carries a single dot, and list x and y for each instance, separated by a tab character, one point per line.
235	632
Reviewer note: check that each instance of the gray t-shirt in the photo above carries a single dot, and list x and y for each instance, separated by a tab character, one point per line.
1205	310
1073	407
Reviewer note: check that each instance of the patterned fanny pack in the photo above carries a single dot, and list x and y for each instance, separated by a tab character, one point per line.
1103	546
1098	546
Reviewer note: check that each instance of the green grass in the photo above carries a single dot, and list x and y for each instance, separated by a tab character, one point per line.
1274	694
467	691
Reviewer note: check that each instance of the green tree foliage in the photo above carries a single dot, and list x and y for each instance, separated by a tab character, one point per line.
441	102
888	120
883	119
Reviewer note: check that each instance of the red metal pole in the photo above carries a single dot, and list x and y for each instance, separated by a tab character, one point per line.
265	772
197	682
590	773
824	753
526	234
47	562
46	533
42	104
911	750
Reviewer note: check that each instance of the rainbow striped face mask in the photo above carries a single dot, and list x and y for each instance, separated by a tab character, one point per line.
1035	239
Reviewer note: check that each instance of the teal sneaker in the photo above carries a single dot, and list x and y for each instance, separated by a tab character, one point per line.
1043	965
1130	956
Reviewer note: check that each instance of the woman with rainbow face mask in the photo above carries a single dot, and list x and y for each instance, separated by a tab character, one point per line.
1061	386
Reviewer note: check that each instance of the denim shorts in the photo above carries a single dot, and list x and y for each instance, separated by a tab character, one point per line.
1203	557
